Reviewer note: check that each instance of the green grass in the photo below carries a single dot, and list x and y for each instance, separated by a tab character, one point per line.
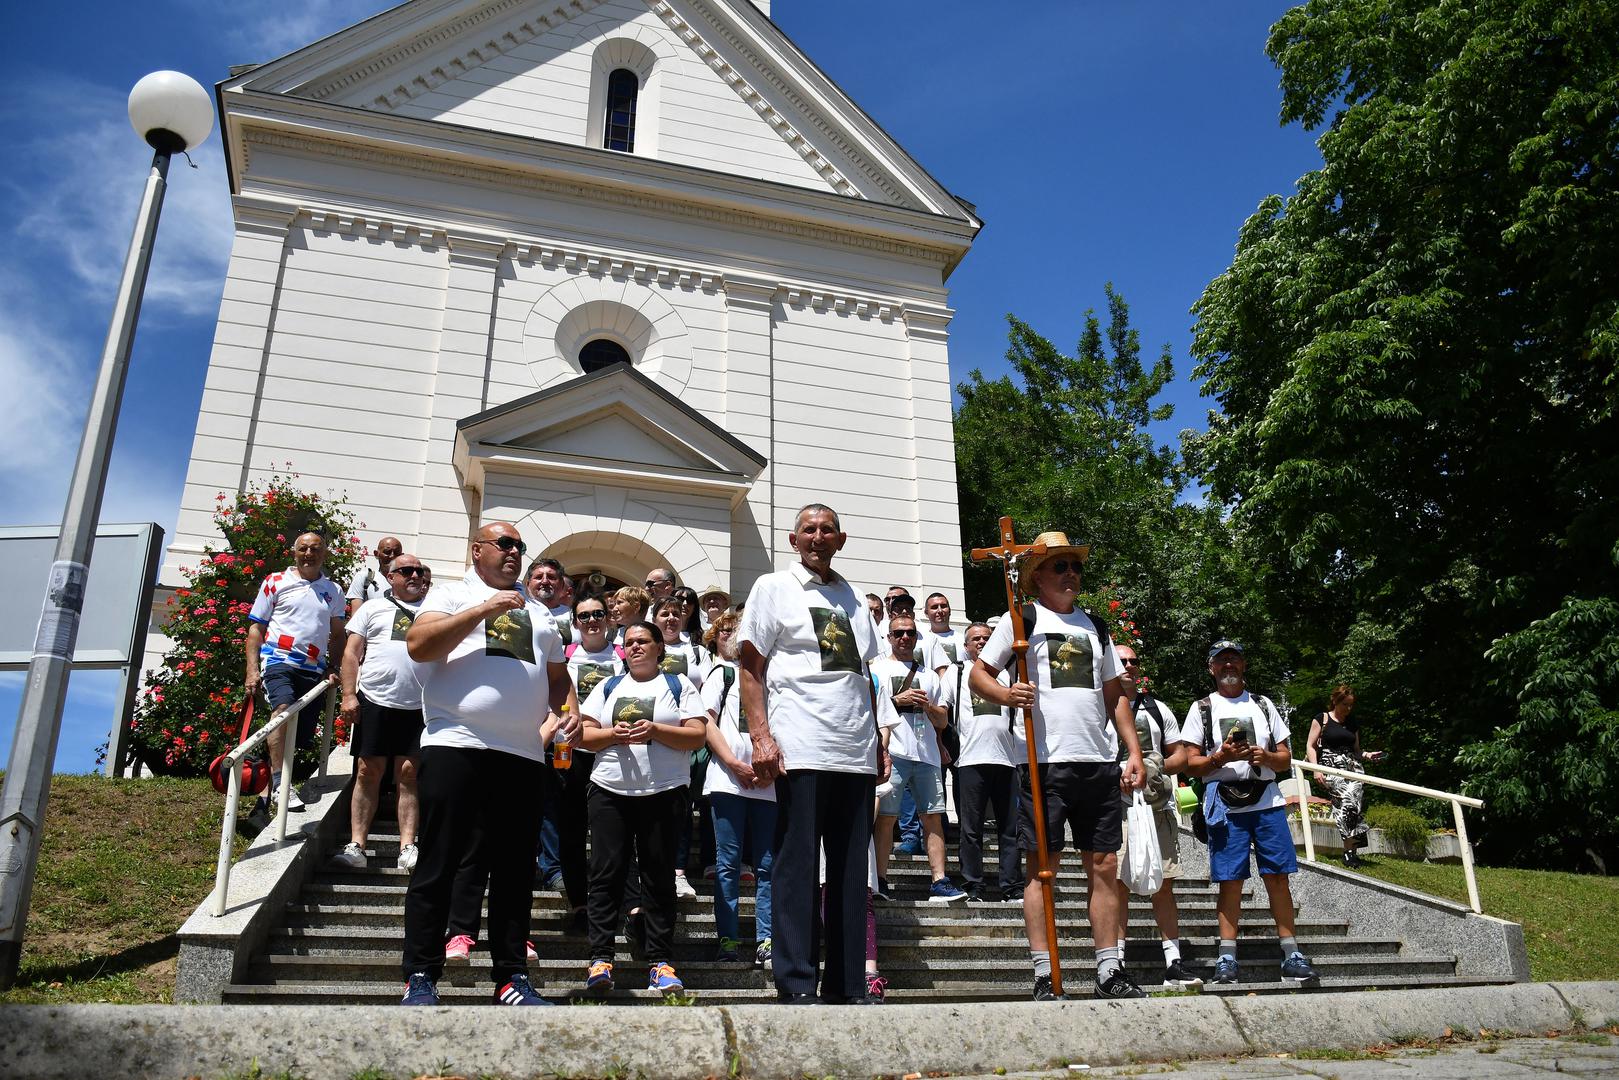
122	864
1567	918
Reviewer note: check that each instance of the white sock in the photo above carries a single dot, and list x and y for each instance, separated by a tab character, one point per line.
1172	950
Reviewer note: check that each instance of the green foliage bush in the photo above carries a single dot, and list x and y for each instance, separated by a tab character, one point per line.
188	713
1403	825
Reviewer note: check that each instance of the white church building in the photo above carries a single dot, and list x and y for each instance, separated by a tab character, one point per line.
634	275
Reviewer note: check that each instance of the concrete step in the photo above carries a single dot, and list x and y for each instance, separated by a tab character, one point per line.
1005	967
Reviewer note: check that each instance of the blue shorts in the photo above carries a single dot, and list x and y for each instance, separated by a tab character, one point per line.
925	781
283	685
1264	832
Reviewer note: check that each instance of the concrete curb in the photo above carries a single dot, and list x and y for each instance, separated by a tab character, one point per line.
43	1042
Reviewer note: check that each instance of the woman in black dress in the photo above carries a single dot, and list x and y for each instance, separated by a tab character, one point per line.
1335	742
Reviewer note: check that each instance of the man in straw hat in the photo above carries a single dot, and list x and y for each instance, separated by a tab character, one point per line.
1073	692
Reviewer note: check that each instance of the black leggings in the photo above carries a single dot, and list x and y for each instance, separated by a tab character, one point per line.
643	828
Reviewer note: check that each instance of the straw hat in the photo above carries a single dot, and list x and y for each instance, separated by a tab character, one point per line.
714	590
1056	544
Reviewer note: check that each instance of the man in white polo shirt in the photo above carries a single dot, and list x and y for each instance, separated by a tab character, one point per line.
491	662
1074	692
294	625
806	637
986	777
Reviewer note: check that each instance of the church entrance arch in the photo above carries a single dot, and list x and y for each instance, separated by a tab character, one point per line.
618	559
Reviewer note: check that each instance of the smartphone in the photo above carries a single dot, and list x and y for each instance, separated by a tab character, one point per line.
1238	736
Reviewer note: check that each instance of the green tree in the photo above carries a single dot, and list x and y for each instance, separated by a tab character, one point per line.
1063	444
187	713
1415	357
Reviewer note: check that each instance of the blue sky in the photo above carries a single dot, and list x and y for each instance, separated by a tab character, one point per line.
1121	141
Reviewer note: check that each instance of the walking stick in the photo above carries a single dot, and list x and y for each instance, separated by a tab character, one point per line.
1009	554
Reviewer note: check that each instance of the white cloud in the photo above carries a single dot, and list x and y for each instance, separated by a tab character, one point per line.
87	174
273	30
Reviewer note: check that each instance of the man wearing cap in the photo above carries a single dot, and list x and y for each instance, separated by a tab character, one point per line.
1074	695
1238	744
806	638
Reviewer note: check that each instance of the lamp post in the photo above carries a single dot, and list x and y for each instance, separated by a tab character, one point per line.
172	113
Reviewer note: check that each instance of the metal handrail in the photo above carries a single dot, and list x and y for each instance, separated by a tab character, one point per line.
233	792
1456	803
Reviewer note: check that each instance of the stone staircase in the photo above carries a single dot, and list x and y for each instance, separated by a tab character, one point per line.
338	941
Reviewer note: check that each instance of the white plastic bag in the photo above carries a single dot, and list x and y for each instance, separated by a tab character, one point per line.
1143	869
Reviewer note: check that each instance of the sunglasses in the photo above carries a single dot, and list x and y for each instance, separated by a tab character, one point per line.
508	543
1129	661
589	616
411	571
1062	566
902	633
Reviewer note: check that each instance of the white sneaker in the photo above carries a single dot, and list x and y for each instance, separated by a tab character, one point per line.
295	801
351	857
683	889
407	857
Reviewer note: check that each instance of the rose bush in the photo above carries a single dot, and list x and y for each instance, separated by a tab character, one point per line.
188	712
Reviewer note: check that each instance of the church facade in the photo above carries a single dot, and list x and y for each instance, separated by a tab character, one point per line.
634	275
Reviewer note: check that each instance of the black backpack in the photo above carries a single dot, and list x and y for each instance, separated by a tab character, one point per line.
1236	794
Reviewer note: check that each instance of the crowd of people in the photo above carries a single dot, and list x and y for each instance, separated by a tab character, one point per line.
543	731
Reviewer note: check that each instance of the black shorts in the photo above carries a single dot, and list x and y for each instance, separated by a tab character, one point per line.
1082	794
383	731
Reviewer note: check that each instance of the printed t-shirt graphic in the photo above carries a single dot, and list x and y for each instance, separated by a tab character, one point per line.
836	638
403	621
511	633
591	673
1070	657
628	710
1068	665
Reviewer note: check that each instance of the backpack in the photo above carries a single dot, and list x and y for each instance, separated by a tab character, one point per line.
1237	794
1028	627
614	680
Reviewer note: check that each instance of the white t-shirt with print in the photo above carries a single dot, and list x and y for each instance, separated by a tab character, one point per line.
818	638
587	668
650	767
686	659
387	674
723	681
1069	661
983	726
1241	711
942	649
297	618
493	691
914	737
367	584
562	615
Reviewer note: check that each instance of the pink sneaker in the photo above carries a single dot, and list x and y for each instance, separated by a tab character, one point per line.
528	947
459	948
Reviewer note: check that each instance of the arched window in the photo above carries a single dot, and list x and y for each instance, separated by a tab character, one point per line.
601	353
618	133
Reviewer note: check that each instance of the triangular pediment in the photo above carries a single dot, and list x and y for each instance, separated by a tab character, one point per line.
614	425
725	90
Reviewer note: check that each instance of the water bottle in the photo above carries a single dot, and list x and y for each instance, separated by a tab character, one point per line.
561	748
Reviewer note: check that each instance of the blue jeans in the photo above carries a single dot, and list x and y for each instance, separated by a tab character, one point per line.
741	823
910	822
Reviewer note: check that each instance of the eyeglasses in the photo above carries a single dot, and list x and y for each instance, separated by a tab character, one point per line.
589	616
1062	566
411	571
902	633
1129	661
508	543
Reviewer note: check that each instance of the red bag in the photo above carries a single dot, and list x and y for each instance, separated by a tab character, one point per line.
255	773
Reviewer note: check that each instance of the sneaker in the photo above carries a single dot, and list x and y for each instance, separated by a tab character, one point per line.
528	951
1351	860
761	955
1225	971
1176	977
881	891
295	801
942	892
599	977
748	876
683	889
727	952
458	949
553	883
1297	969
419	990
908	847
974	891
407	857
662	978
352	857
1042	988
518	991
1119	985
1013	898
876	988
